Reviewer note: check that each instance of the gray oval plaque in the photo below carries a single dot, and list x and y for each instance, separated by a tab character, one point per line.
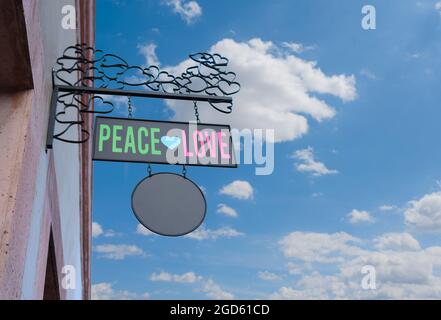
169	204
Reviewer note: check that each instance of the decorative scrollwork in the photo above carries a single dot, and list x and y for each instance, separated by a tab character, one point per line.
87	65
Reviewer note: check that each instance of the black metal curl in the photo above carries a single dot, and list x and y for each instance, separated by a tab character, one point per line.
208	76
73	101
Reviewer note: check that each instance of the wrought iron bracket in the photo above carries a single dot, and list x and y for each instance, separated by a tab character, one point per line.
110	75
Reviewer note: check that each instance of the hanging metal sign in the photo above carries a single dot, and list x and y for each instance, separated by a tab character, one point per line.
163	142
169	204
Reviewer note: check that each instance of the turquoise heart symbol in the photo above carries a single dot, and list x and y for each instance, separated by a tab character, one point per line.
171	142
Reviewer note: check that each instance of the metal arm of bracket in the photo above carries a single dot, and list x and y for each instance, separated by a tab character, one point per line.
116	92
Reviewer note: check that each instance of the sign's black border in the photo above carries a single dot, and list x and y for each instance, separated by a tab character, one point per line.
235	165
162	234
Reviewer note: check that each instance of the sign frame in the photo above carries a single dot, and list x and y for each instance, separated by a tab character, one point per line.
183	177
227	166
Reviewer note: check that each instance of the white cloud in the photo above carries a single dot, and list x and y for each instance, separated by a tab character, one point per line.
140	229
319	247
314	286
438	7
269	276
387	207
358	216
109	233
214	291
307	163
203	233
415	55
118	251
278	90
393	267
120	104
404	270
318	286
425	214
226	210
207	286
188	277
397	241
187	10
368	74
286	293
105	291
148	50
97	230
238	189
297	47
294	268
317	194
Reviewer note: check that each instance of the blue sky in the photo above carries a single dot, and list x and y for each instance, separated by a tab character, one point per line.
368	192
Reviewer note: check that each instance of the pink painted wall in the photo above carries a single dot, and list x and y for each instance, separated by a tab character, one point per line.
40	190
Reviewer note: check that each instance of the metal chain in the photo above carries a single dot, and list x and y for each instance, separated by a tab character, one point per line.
196	112
130	115
130	109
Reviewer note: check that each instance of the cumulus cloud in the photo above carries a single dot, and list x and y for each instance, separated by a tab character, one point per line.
297	47
269	276
187	10
358	216
294	268
140	229
214	291
238	189
97	229
368	74
393	267
148	50
425	214
438	7
387	207
287	293
314	286
119	104
202	233
226	210
188	277
397	241
307	163
279	90
105	291
319	247
118	251
404	270
207	286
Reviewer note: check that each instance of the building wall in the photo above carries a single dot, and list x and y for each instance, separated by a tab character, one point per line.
43	190
66	158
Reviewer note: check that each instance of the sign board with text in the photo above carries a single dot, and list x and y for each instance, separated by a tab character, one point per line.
163	142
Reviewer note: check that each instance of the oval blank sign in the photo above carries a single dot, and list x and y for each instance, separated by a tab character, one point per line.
169	204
